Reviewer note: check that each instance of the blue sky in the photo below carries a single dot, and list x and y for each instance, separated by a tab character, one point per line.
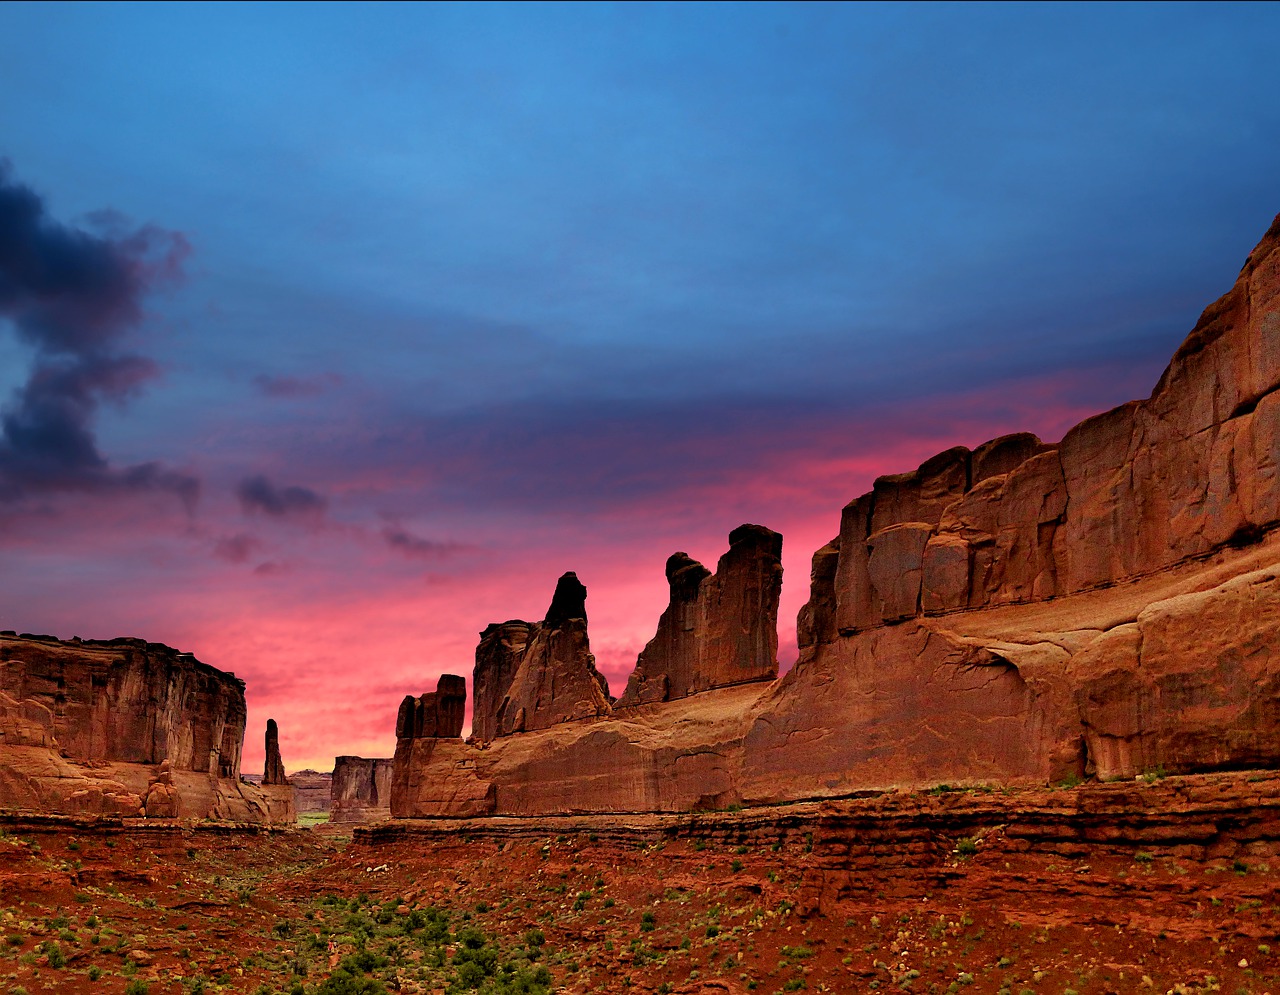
549	287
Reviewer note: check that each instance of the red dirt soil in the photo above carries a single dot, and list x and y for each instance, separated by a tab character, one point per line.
1166	885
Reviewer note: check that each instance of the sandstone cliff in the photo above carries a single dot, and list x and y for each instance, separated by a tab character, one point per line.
123	727
1023	612
361	790
719	629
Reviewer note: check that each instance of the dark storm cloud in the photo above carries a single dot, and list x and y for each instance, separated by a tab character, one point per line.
415	546
73	296
258	494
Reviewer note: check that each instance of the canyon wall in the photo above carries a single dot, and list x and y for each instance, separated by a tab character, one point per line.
1020	613
102	726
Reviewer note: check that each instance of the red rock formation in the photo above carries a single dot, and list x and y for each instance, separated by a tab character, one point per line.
273	773
361	790
497	659
545	672
719	629
436	715
1020	613
123	727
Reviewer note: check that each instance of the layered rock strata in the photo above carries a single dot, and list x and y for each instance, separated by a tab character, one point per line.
531	677
360	790
1018	613
853	854
123	727
719	629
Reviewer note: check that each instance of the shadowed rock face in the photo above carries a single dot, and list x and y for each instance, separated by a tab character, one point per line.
1022	612
360	790
719	629
498	657
536	676
274	770
436	715
124	727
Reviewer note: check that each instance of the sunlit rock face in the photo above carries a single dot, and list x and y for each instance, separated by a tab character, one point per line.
124	727
1023	612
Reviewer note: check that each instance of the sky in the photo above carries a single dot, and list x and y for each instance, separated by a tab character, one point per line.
330	334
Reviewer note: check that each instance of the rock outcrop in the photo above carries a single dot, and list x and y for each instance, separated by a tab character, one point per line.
497	658
719	629
123	727
439	714
1020	613
361	790
535	676
273	772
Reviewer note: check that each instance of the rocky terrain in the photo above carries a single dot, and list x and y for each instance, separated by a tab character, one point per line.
1022	613
124	727
1165	884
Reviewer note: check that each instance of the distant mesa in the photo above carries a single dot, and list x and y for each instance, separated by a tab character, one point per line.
360	790
312	791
